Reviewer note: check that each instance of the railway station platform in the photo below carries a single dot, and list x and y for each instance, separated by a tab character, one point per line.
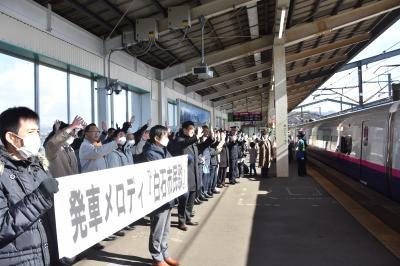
274	221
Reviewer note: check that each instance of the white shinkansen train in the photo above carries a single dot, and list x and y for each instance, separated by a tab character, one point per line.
364	145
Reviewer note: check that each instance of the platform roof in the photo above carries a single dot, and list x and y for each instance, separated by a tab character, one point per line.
321	36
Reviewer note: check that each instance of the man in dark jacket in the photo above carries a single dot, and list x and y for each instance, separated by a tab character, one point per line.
234	150
160	219
26	192
223	163
186	143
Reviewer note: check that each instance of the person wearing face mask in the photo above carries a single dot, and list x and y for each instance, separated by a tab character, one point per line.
117	157
59	153
26	192
156	149
92	152
129	145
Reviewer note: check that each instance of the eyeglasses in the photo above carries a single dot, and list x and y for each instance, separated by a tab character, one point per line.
96	131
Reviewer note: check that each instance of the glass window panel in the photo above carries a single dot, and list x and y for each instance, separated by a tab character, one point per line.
80	98
129	104
96	98
16	76
120	108
175	115
52	97
170	114
109	111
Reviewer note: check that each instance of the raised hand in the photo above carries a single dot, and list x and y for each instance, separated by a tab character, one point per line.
57	124
199	132
104	126
132	120
78	123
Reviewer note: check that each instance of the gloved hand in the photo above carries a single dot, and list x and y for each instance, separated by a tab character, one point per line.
49	186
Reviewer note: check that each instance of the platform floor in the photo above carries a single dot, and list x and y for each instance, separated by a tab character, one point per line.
274	221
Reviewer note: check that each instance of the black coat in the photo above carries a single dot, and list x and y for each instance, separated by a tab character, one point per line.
153	152
224	157
24	226
183	144
234	150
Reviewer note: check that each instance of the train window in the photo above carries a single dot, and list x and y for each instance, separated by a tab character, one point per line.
16	83
365	136
396	145
346	143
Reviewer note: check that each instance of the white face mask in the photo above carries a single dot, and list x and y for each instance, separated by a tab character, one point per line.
131	142
122	140
31	146
164	142
70	140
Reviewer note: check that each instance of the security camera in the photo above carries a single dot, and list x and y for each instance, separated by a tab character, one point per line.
117	88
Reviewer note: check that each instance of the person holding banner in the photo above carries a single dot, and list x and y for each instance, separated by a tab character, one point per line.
156	149
26	191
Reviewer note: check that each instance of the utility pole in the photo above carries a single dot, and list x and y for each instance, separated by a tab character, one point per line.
390	84
360	86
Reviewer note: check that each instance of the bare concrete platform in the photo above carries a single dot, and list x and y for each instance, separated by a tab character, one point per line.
274	221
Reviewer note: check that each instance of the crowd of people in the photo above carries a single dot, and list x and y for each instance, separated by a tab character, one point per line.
29	178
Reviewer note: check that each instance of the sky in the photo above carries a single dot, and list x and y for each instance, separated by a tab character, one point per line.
374	76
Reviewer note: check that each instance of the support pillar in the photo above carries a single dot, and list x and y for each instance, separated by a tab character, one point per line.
281	103
102	107
162	104
271	106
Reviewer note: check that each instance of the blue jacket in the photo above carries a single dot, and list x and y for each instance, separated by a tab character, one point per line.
153	152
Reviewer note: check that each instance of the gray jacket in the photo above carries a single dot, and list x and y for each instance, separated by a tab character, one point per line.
116	158
93	158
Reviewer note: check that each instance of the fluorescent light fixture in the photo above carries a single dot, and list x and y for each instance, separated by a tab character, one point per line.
283	13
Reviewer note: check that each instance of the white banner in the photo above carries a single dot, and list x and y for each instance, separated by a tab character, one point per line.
92	206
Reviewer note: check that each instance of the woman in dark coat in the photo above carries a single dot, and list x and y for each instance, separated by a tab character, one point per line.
156	149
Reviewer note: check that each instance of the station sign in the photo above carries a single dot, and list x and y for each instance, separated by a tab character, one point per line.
244	116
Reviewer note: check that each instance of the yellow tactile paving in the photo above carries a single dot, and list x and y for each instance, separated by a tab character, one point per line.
387	236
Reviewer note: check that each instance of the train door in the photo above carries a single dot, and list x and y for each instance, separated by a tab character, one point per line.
395	157
373	154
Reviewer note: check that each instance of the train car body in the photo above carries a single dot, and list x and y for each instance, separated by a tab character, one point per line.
364	145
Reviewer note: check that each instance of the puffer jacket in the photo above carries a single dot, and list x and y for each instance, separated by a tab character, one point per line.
24	224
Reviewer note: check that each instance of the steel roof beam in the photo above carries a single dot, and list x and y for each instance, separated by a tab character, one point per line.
241	87
208	10
241	96
263	81
90	14
294	35
290	58
228	77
